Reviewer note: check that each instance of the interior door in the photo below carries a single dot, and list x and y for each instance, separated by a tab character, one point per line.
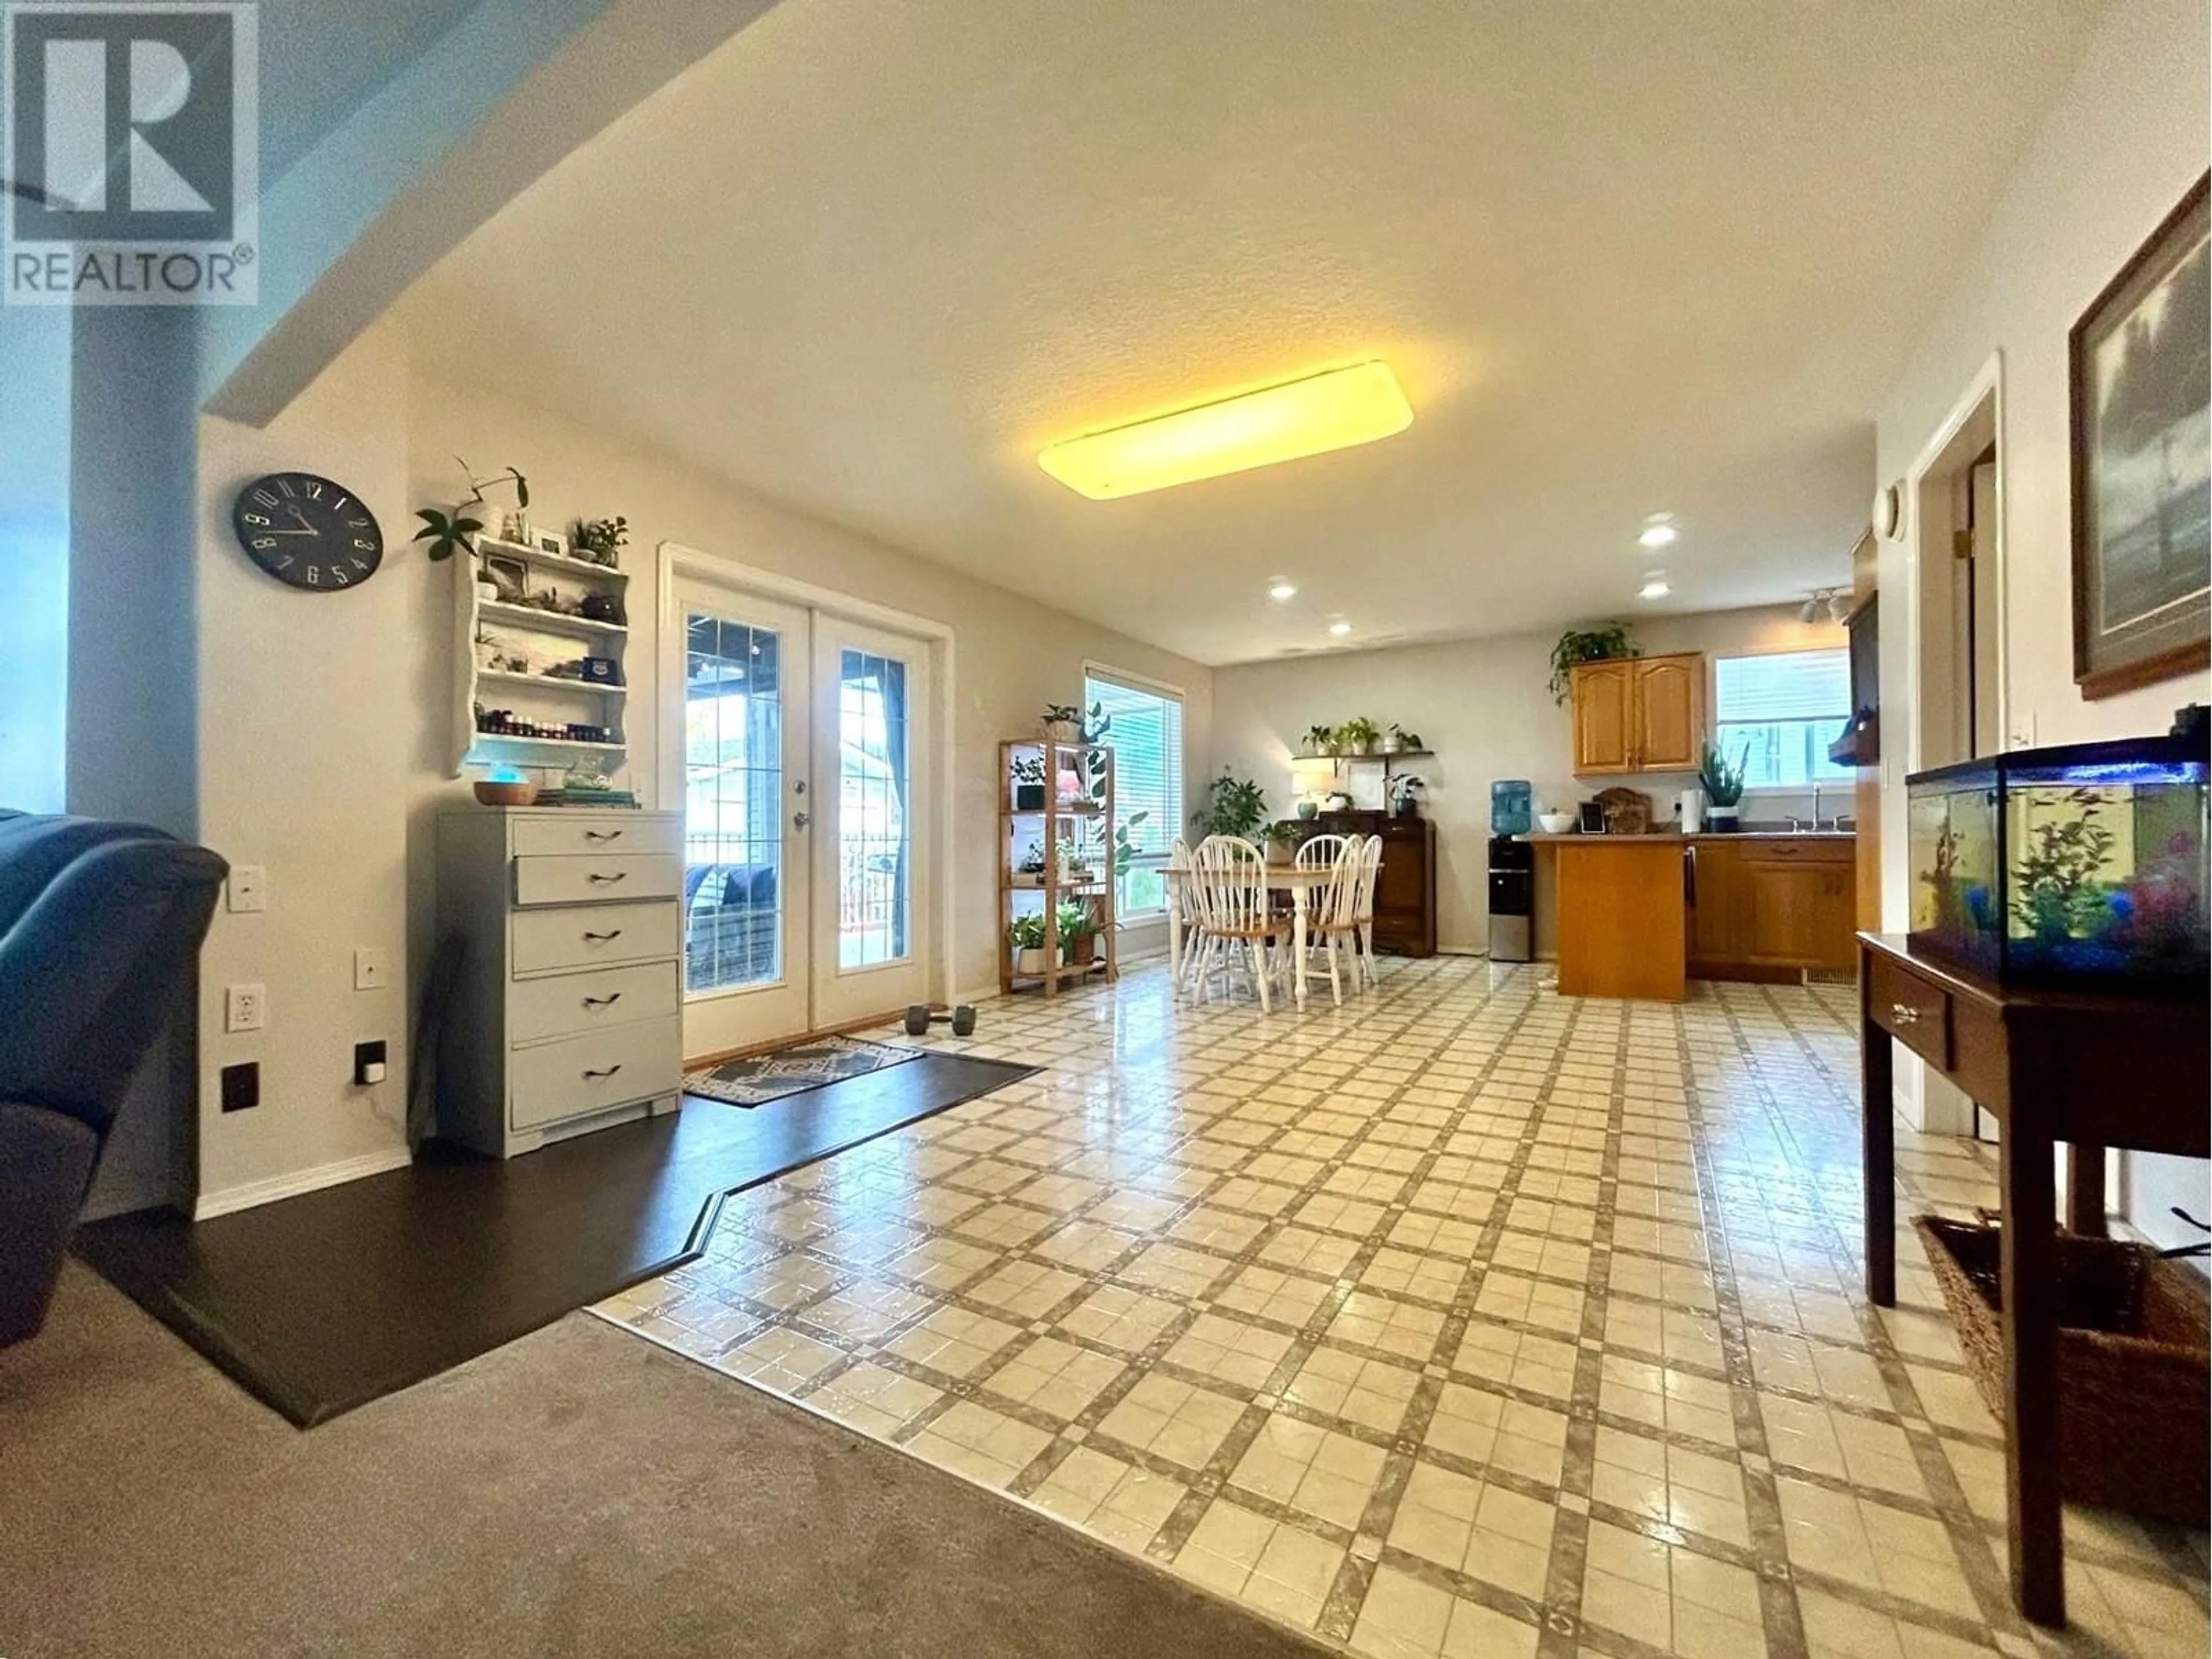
873	856
745	668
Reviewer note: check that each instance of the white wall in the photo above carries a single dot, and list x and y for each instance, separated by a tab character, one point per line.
2125	140
325	721
34	500
1482	706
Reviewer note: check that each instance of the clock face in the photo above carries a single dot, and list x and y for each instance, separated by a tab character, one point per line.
308	531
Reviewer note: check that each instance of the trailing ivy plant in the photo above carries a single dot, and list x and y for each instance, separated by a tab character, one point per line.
1581	645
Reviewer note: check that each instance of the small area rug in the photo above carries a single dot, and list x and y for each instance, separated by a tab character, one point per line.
759	1079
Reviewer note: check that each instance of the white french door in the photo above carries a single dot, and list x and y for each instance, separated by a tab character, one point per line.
803	754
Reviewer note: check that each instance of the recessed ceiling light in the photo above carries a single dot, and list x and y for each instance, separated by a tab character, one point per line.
1653	590
1658	535
1339	629
1282	590
1333	409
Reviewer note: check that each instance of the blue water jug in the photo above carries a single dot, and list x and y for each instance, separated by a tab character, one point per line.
1511	801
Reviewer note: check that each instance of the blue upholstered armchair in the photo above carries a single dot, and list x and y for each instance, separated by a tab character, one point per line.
99	925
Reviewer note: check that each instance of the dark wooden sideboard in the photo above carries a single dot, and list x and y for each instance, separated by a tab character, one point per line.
1406	887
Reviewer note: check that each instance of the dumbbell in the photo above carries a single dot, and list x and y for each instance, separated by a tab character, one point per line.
919	1018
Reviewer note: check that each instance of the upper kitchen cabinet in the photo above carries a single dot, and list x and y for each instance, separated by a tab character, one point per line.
1638	714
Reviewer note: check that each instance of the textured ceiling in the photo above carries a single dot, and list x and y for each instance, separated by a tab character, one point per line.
1627	260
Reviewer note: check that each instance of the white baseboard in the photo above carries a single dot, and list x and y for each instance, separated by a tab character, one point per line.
254	1192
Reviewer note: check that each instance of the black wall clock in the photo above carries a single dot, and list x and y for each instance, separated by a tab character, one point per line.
308	531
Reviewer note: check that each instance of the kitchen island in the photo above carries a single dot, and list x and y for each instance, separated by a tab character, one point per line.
1639	915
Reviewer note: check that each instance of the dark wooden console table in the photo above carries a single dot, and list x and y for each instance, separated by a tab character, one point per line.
2087	1072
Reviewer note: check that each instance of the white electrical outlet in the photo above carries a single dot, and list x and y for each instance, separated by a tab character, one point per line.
246	888
245	1007
372	968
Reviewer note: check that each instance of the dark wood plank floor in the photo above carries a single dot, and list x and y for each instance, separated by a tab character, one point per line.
319	1303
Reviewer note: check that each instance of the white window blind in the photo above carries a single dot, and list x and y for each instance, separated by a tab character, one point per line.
1780	712
1147	740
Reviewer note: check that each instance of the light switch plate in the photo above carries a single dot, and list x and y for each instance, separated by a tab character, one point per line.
246	888
372	968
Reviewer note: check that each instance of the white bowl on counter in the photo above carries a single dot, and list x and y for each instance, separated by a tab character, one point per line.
1555	824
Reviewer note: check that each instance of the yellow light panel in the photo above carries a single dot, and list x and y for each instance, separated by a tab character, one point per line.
1334	410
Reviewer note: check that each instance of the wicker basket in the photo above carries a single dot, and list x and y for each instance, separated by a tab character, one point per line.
2135	1387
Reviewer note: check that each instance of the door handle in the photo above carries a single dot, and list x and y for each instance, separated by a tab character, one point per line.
800	820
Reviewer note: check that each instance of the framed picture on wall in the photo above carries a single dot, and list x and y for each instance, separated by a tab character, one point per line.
2140	371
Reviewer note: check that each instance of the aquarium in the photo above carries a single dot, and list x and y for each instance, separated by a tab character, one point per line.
2082	865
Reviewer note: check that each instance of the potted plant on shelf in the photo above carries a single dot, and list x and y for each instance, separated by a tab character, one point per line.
1026	933
1029	871
1581	645
1078	933
1234	806
1406	791
1073	864
1356	736
1321	742
1282	839
1723	786
1061	722
1029	783
599	541
1396	740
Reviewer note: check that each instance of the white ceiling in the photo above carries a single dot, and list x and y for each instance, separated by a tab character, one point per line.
1626	259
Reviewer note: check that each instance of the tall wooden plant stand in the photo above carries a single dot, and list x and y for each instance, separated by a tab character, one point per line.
1071	803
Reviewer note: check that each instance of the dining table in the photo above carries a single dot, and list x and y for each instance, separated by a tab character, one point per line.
1298	881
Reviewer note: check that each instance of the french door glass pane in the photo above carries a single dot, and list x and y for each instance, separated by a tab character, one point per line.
732	805
873	846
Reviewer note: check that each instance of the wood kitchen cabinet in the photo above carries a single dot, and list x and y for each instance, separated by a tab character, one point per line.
1764	909
1638	714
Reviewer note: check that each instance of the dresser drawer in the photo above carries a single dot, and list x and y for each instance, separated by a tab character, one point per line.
570	1005
1915	1013
594	936
558	1081
598	832
578	880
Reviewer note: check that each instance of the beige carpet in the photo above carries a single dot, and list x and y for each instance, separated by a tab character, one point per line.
580	1492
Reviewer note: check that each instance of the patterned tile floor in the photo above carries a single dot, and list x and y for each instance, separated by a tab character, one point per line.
1465	1321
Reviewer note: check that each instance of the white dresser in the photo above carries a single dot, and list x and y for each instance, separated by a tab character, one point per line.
566	1013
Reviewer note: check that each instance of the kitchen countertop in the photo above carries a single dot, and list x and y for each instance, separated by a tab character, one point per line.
1676	837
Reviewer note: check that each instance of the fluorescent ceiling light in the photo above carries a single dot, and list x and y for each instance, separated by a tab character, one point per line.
1339	629
1654	591
1282	590
1658	535
1334	410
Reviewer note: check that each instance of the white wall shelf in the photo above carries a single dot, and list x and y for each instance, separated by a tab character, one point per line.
548	622
540	639
548	683
558	562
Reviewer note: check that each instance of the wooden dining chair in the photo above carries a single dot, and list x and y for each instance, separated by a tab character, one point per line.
1363	910
1230	879
1332	914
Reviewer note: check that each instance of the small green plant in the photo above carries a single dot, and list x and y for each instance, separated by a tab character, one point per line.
509	477
1026	932
446	532
1406	740
1062	713
1357	735
1581	645
1721	782
1075	921
1234	806
1281	833
1320	739
1124	842
1406	789
599	540
2056	893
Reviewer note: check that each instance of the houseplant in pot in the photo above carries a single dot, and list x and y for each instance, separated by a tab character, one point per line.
1029	783
1406	791
1078	933
1233	806
1724	787
1026	933
1029	871
1282	839
1061	722
1356	736
1321	742
1581	645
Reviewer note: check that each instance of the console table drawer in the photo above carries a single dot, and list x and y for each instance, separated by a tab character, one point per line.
594	935
557	880
586	1074
570	1005
1915	1013
598	832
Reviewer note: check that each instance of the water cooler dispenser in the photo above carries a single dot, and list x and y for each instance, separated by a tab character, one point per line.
1512	873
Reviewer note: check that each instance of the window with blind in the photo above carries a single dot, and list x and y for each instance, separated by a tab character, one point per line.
1147	740
1780	712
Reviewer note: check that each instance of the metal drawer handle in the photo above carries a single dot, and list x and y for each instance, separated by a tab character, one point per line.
610	1072
1904	1013
603	1002
602	835
619	875
601	939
